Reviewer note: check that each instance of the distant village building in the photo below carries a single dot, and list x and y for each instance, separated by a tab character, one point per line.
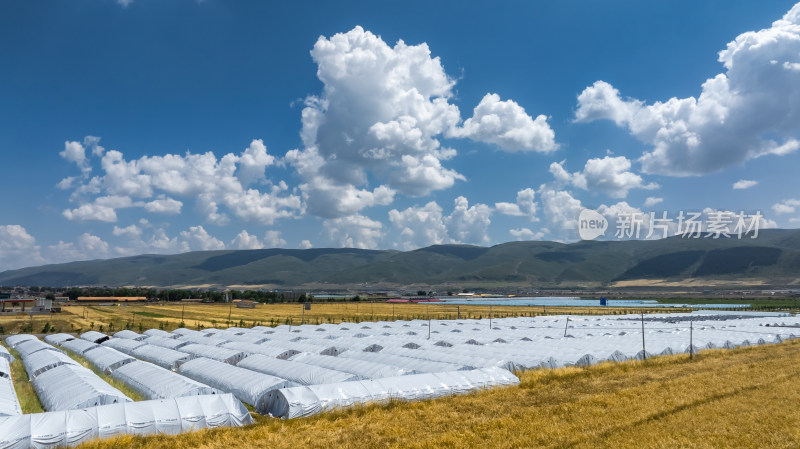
99	299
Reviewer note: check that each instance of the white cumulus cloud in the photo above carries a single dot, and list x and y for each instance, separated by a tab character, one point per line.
468	224
354	231
419	226
744	184
609	175
380	120
750	110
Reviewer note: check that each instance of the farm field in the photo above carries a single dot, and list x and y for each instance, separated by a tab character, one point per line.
723	398
170	316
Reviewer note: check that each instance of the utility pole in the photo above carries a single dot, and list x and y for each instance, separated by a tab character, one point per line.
691	342
490	317
644	351
183	310
303	318
566	326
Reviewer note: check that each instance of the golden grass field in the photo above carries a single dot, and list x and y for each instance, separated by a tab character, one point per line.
80	318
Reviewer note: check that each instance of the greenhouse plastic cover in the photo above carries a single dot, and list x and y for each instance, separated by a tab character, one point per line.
5	368
9	404
94	336
167	416
226	355
79	346
165	342
309	400
269	350
107	359
14	340
154	382
28	347
69	387
123	344
158	333
130	335
163	357
248	386
4	354
365	370
418	365
297	372
57	339
43	361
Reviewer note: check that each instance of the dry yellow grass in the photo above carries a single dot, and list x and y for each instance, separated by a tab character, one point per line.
78	318
741	398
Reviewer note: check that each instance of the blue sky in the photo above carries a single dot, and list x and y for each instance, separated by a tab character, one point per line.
249	124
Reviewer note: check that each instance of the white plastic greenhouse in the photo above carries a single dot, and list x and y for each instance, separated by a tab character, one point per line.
123	344
248	386
69	387
14	340
4	354
309	400
154	382
9	404
28	347
57	339
163	357
165	342
94	336
167	416
79	346
42	361
226	355
362	369
130	335
107	359
296	372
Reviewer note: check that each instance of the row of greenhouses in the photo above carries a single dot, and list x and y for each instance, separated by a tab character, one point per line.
298	371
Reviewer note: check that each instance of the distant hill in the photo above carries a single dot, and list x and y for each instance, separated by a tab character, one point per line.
771	259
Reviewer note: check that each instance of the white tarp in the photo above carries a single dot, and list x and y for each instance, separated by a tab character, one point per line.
158	333
107	359
94	336
14	340
130	335
57	339
154	382
163	357
79	346
226	355
42	361
9	404
305	401
268	350
418	365
73	427
5	368
248	386
203	339
123	344
299	373
365	370
69	387
165	342
28	347
4	354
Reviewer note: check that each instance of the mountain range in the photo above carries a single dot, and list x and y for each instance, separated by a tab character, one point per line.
772	259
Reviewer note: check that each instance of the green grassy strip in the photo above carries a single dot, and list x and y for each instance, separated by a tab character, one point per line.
28	400
118	384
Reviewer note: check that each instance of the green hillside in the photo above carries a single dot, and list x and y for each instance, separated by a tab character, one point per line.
771	259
